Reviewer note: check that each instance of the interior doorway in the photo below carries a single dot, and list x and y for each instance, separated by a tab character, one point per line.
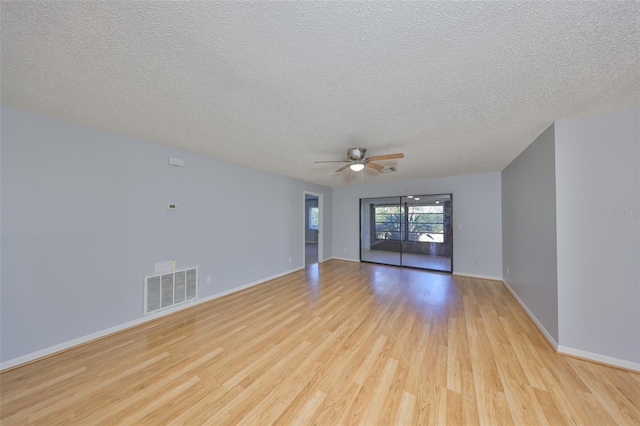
414	231
312	232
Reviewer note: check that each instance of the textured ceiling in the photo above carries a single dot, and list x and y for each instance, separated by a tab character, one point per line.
458	87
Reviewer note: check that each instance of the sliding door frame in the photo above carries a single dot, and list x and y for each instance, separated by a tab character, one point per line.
404	226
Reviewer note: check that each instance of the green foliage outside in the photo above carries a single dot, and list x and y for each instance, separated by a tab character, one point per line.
424	223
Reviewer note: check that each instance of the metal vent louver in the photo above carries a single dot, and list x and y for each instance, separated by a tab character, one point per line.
166	290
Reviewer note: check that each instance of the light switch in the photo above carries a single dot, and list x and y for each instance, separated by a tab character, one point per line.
459	226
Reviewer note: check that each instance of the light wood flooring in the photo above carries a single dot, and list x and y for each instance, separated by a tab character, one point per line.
310	253
424	261
337	343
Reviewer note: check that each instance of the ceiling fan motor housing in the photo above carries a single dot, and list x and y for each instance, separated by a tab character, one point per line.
356	153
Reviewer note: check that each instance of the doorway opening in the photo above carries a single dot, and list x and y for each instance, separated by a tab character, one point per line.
312	233
414	231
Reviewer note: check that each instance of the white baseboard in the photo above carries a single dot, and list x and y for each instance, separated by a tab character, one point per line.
343	258
482	277
93	336
590	356
538	324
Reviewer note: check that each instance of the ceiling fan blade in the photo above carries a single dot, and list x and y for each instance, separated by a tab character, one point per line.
386	157
374	166
342	168
339	161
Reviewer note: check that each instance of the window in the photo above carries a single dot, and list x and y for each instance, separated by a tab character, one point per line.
388	222
313	217
423	223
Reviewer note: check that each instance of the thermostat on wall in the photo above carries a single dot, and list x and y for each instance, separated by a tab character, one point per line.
172	206
175	162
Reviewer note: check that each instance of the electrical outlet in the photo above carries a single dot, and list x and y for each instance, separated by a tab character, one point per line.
208	280
344	249
507	271
290	260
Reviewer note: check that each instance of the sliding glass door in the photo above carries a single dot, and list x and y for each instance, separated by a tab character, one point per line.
414	231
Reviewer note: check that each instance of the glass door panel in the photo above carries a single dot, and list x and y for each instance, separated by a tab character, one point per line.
428	242
381	229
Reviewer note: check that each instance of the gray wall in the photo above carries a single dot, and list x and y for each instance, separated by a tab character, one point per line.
476	206
310	235
84	219
598	198
529	229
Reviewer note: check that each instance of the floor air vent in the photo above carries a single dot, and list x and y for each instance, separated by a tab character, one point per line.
166	290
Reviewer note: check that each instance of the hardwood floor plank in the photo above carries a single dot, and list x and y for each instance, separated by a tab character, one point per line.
160	383
622	408
406	409
59	401
253	393
156	403
470	407
376	404
337	343
40	387
308	410
524	407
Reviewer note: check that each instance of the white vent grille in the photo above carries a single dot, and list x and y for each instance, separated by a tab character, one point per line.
165	290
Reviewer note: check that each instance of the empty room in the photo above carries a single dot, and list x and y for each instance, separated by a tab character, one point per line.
331	213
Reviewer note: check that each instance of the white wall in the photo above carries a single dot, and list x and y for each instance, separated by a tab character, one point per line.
84	219
529	230
598	231
476	206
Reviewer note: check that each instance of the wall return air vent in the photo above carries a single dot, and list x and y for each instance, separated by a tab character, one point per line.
169	289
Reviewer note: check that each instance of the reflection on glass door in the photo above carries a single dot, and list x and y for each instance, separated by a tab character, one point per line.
414	231
381	228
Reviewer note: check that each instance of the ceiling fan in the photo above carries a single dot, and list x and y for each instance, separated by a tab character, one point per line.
357	160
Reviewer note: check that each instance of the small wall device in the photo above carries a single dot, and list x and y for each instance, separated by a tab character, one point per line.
175	162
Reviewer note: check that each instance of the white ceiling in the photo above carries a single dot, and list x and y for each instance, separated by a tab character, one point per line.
459	87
